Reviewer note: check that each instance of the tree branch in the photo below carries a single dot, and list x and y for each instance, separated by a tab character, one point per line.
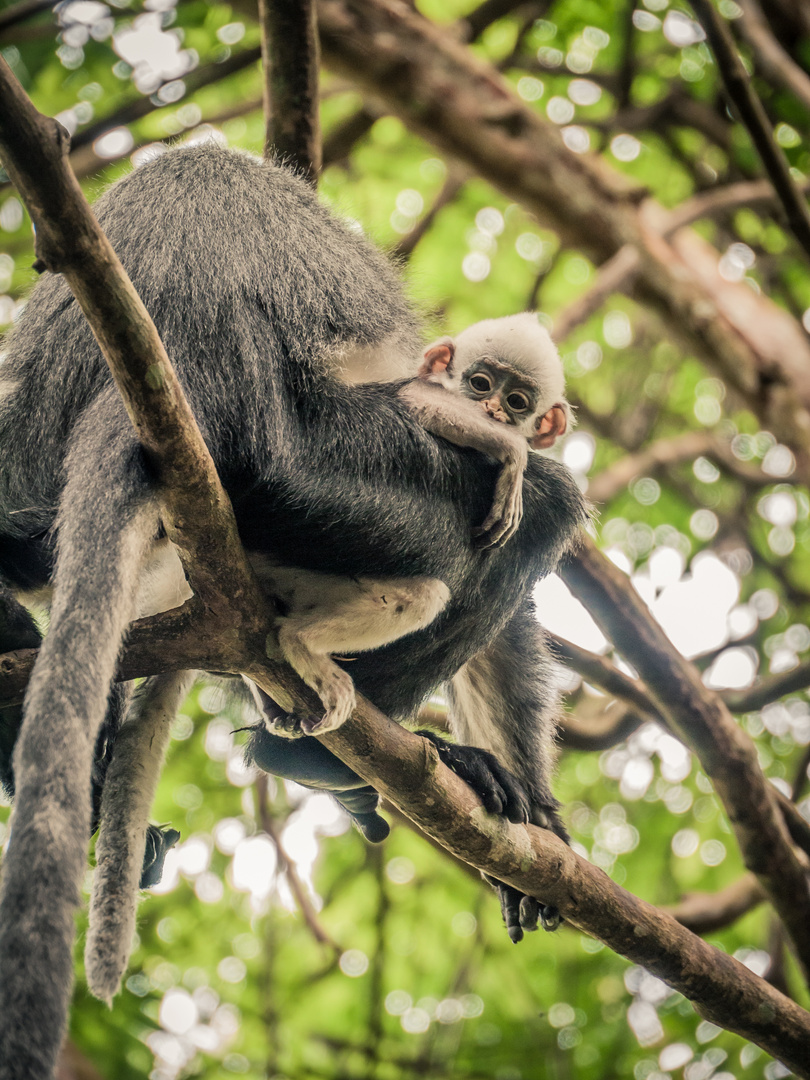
704	913
286	865
754	117
406	769
615	478
593	734
456	179
771	59
704	723
70	241
614	275
769	689
143	106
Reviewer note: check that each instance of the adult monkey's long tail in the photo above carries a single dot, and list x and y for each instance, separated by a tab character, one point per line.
107	520
129	789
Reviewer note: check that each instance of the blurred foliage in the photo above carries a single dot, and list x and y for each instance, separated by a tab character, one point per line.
227	977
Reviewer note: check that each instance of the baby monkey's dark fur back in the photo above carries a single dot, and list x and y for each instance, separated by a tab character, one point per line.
257	293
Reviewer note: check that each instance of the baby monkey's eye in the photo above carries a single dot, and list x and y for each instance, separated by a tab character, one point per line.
517	402
482	384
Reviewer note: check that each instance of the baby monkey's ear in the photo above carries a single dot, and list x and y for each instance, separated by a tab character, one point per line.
550	426
438	358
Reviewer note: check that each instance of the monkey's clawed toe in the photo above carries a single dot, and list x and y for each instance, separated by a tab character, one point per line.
522	913
550	917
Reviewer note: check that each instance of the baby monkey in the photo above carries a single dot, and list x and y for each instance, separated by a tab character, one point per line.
511	369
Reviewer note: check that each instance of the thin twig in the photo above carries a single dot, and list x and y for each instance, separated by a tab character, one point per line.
342	139
614	275
143	106
455	181
769	689
755	119
594	734
772	60
286	864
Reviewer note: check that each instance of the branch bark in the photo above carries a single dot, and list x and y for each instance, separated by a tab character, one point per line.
69	241
407	771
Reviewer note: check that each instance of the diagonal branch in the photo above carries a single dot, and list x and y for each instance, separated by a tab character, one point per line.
703	722
407	771
704	913
772	60
70	241
753	115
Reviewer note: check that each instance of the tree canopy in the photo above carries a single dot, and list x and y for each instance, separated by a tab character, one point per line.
612	166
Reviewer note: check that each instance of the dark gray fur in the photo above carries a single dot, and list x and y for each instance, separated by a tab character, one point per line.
255	290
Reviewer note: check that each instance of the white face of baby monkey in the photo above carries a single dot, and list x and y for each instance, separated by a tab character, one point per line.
512	369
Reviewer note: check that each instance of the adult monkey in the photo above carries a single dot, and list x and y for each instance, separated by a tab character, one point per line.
324	477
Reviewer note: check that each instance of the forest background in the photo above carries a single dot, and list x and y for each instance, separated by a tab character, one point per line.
588	160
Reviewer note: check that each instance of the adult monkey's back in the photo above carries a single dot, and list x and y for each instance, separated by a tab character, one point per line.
259	295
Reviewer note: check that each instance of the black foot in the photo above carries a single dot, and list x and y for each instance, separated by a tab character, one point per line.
496	787
158	842
522	913
309	763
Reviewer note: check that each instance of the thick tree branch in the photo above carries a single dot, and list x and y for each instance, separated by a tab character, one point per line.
69	241
406	770
704	723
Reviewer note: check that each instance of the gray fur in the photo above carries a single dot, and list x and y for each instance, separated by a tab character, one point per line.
491	696
257	293
129	789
